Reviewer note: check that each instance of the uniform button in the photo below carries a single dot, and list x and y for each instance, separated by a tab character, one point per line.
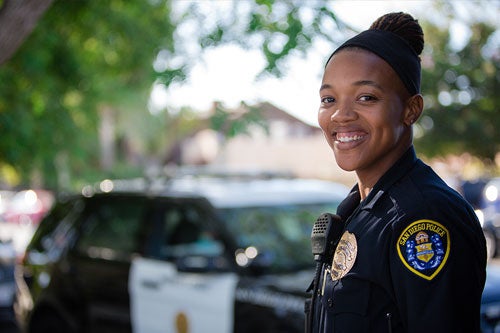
330	302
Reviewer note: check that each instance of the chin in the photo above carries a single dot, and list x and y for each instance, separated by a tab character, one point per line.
344	162
346	166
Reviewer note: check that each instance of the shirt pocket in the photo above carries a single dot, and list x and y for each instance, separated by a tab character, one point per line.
348	305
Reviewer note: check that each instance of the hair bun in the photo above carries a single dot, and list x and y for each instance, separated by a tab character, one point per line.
403	25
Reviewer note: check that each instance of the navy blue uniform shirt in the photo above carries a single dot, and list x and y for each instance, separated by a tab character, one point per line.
418	260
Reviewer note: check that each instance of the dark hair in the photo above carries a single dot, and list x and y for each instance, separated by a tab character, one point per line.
403	25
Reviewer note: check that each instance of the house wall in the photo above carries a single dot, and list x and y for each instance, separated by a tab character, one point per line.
307	157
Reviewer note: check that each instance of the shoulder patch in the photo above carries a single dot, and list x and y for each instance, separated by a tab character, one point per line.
423	247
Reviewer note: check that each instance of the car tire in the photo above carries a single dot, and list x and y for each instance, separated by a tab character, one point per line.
491	244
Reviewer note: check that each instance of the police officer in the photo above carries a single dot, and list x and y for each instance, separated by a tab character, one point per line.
411	256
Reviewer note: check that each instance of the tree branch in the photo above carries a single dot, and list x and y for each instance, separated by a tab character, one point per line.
18	18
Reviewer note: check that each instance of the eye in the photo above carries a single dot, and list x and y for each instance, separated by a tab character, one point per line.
326	100
367	98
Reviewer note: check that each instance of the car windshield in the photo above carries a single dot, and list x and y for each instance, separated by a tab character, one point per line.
280	234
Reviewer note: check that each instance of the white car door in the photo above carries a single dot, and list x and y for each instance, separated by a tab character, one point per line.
167	301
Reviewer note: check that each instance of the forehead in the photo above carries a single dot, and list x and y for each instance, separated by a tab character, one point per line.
355	64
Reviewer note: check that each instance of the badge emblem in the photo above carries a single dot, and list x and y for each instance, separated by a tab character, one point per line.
423	247
344	256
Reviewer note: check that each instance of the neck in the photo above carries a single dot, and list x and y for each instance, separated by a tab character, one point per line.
364	190
366	181
368	177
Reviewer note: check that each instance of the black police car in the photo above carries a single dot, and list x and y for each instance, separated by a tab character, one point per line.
192	254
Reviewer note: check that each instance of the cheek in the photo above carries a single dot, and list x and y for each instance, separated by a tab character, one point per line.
391	128
388	119
323	119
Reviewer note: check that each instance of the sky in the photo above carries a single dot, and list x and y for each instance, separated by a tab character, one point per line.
228	74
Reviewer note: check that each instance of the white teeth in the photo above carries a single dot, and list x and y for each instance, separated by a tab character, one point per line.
349	138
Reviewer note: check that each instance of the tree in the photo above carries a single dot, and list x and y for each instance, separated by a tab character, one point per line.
278	28
84	56
92	58
460	88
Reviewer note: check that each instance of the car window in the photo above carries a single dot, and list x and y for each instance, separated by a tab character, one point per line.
181	231
279	233
111	229
55	232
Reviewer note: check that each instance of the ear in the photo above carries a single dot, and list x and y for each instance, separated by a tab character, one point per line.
414	107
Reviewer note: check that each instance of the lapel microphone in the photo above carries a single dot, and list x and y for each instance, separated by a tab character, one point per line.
326	231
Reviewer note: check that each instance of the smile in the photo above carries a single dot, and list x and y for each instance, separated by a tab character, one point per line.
348	138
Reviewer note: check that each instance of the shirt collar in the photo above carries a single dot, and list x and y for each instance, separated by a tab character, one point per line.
396	172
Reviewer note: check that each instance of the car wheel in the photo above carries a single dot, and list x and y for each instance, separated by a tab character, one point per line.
491	244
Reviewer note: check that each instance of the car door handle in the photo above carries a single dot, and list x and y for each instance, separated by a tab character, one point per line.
150	284
156	283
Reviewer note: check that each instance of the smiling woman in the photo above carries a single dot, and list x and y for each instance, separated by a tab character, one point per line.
425	236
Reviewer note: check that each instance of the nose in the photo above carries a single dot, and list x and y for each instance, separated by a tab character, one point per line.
343	114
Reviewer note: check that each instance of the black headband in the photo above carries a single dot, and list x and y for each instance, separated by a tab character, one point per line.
394	50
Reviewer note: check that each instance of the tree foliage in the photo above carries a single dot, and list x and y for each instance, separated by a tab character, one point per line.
84	55
86	58
460	89
89	57
278	28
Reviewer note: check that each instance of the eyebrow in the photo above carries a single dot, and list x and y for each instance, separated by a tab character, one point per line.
368	83
325	86
357	83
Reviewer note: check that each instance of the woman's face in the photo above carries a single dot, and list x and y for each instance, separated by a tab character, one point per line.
363	113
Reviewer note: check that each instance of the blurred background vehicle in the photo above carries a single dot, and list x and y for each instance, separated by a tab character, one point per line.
212	252
472	190
20	213
489	215
490	302
7	285
26	206
5	197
